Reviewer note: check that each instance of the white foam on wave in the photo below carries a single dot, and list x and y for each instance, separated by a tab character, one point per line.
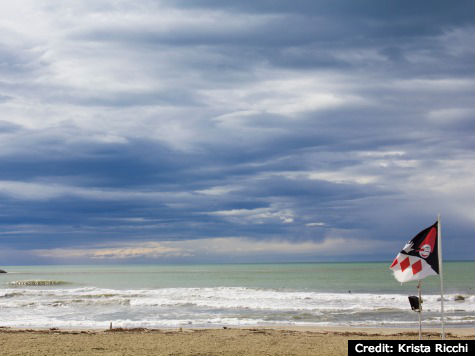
232	297
169	307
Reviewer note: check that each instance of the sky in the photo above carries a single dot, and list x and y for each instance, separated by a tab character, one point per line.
211	131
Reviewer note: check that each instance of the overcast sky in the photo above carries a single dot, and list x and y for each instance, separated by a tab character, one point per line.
234	131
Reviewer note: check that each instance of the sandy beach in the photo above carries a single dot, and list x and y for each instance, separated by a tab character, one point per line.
229	341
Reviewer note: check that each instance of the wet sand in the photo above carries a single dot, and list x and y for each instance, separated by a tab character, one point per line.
229	341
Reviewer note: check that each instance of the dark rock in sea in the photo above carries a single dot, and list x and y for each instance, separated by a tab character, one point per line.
459	298
2	271
36	282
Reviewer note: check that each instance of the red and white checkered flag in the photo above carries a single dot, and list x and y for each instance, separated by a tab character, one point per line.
419	258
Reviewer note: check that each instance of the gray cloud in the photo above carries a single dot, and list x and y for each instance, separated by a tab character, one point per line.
281	122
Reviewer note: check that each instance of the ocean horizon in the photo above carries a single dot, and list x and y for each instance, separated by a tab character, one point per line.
216	295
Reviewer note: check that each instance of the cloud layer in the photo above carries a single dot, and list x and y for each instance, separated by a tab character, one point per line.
144	126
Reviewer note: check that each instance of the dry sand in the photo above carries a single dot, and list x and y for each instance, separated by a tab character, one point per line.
230	341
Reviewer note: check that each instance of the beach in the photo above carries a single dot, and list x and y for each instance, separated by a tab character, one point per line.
230	341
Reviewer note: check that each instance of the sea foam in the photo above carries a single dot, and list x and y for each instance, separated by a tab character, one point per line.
91	307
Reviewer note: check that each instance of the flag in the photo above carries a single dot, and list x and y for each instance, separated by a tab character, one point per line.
419	258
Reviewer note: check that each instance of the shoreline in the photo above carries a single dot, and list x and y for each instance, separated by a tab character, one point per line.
237	341
456	330
468	331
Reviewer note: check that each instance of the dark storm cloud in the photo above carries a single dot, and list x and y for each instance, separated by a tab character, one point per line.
370	8
173	123
310	39
374	19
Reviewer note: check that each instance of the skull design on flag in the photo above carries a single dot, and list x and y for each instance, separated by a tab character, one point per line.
419	258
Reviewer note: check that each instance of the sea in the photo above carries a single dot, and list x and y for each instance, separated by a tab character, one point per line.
227	295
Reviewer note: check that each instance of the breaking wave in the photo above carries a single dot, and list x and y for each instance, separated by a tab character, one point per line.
90	307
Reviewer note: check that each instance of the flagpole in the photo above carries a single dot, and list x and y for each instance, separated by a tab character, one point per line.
420	309
439	247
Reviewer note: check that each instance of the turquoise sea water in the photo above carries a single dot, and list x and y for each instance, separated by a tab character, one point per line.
363	294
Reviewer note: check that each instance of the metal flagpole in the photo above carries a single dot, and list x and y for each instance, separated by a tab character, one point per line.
420	309
439	247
